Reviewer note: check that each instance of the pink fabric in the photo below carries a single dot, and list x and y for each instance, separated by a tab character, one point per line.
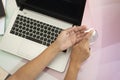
104	62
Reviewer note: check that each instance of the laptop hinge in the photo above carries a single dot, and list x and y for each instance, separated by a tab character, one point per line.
21	8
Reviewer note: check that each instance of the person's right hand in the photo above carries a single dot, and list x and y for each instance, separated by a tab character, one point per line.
81	51
67	38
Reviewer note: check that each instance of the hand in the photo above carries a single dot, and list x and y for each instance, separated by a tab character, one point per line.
80	51
69	37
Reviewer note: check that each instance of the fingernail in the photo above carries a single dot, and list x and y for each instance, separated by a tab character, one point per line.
74	26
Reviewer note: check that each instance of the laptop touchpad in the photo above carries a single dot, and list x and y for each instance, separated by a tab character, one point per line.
29	49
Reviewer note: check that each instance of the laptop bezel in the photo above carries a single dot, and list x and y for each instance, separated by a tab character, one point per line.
23	5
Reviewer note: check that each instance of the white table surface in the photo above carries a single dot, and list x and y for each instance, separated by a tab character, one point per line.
8	61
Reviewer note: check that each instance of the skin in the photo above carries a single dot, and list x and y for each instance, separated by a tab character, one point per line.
66	39
80	52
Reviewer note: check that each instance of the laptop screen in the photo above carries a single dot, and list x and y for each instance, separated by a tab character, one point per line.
2	12
68	10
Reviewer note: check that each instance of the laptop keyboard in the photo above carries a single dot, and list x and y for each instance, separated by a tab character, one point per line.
35	30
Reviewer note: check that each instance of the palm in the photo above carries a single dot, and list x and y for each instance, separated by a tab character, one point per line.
69	40
69	37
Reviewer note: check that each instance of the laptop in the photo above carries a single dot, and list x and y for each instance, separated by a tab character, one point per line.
37	23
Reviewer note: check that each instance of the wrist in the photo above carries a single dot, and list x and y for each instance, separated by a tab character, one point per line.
72	70
56	46
75	63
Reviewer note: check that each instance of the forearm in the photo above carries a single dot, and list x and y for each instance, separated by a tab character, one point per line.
72	71
32	69
80	53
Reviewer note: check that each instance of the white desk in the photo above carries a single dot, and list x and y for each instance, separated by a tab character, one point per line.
10	62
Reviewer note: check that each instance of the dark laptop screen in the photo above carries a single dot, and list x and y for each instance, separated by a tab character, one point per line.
2	12
68	10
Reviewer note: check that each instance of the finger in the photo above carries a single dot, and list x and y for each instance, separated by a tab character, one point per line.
78	33
89	34
78	28
69	29
72	34
79	39
73	37
82	28
84	34
81	34
78	36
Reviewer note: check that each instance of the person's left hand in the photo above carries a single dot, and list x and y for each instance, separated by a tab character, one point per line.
80	51
69	37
